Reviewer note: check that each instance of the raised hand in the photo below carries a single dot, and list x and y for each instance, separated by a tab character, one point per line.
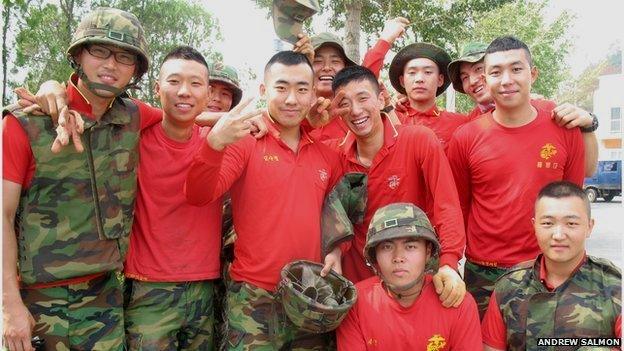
232	127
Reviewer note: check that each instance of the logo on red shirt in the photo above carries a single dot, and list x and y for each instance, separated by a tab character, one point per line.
393	182
436	343
323	175
549	150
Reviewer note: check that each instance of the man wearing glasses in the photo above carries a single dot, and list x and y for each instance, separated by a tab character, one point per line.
70	235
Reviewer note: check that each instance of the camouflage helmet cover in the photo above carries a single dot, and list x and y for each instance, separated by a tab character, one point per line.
471	53
106	25
228	76
330	39
343	207
313	303
399	220
289	15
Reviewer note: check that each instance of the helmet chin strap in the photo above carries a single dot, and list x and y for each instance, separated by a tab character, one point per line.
399	290
95	88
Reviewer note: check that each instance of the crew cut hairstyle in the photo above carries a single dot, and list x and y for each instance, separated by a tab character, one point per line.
288	58
509	43
354	74
184	52
561	189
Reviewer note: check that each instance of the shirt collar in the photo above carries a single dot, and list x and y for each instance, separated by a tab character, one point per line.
434	111
543	274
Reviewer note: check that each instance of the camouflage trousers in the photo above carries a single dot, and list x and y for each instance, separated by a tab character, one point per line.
83	316
170	316
257	322
480	282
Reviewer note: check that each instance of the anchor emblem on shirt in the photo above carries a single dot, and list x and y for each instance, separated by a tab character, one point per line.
394	181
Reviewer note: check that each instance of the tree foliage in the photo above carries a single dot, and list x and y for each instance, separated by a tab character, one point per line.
44	32
549	43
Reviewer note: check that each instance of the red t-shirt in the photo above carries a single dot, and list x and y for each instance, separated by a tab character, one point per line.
378	322
499	171
171	240
443	123
410	167
493	326
277	196
19	163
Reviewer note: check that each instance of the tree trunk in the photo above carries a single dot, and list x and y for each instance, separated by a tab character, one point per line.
6	17
352	28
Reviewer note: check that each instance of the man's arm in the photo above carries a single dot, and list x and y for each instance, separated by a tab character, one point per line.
393	29
216	166
458	160
348	335
447	217
493	327
570	116
18	322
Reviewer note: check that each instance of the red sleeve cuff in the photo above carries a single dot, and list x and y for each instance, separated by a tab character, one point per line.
382	45
448	259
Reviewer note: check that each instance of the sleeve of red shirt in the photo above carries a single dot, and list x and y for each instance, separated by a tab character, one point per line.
575	165
465	332
375	56
19	164
349	335
493	326
457	155
150	115
447	214
617	328
213	172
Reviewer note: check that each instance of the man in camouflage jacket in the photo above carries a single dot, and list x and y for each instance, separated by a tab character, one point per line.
67	214
564	293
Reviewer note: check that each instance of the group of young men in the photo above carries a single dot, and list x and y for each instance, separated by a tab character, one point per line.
436	183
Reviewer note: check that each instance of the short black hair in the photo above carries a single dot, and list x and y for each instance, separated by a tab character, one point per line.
354	74
507	43
288	58
185	52
561	189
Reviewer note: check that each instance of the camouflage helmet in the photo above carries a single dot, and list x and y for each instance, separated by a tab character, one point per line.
106	25
228	76
398	220
313	303
330	39
289	15
471	53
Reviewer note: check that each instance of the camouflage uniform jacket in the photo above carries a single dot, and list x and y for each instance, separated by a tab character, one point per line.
75	217
586	305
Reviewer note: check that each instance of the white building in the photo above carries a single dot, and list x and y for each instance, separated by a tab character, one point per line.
609	107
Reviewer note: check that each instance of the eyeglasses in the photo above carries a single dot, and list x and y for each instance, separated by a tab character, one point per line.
122	57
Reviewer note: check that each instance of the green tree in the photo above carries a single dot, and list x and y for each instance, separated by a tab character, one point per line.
549	43
441	22
42	41
46	32
167	24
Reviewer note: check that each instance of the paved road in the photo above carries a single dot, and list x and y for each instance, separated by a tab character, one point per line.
606	239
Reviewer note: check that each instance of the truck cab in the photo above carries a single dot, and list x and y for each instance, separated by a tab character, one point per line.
606	183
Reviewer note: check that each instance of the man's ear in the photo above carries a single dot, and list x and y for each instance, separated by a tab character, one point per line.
157	88
262	89
440	80
534	74
401	81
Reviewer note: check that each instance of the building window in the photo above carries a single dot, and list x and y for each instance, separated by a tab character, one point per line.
616	119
